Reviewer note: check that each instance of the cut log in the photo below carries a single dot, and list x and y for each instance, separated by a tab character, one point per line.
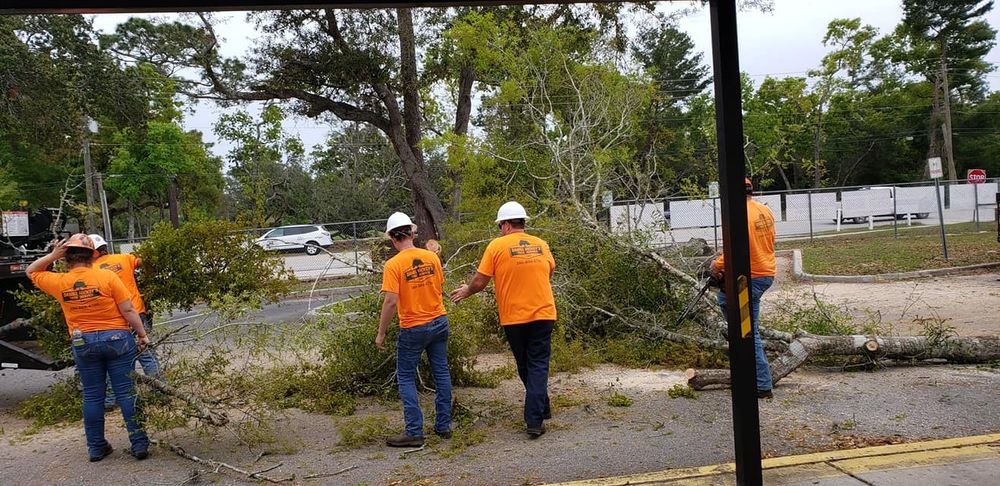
975	349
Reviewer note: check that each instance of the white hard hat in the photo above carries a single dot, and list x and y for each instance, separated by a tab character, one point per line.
396	220
511	210
98	240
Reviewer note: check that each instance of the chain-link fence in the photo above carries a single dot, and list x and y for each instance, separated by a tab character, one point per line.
801	214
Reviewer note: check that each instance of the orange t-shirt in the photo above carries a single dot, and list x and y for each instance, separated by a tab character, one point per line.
89	297
521	264
124	265
760	224
416	275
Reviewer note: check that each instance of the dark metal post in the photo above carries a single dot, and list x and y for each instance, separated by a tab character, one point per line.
944	241
735	241
895	217
715	222
809	197
975	198
354	236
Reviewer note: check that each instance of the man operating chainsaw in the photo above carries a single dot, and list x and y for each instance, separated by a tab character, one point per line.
760	225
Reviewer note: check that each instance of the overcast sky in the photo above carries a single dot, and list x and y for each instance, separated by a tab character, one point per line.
785	42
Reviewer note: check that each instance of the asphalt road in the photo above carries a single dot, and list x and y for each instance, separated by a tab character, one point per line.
18	385
325	265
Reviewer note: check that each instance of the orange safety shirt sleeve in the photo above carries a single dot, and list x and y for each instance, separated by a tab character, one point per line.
48	282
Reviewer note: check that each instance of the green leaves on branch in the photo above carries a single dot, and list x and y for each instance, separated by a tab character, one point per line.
211	262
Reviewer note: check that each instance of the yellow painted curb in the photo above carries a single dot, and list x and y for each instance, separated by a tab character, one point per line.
932	457
779	462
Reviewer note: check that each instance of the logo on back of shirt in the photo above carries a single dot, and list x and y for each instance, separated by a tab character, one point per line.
81	292
763	223
524	249
419	270
114	267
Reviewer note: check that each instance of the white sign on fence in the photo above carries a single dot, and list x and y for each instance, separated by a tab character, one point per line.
15	223
934	165
637	217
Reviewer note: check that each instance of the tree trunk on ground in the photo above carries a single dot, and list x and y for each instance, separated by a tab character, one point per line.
977	349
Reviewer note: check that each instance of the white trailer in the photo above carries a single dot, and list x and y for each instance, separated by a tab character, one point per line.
879	202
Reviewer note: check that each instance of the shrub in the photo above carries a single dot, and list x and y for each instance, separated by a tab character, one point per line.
62	403
679	390
569	354
637	351
618	400
362	431
205	262
810	314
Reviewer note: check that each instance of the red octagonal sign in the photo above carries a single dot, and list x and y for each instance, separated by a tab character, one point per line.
976	176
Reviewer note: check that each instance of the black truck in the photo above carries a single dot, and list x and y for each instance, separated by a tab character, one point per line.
18	348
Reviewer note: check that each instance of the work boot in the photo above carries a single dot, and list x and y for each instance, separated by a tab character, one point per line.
765	394
404	440
138	454
102	454
535	431
443	434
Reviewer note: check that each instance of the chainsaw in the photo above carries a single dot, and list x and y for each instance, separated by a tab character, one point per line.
711	280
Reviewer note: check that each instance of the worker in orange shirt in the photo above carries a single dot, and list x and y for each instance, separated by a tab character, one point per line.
99	316
522	265
412	285
124	265
760	225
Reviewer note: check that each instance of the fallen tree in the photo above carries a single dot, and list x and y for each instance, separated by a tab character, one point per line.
975	349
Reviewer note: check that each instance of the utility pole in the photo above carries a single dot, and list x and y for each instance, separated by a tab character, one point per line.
172	202
105	213
88	169
946	128
735	242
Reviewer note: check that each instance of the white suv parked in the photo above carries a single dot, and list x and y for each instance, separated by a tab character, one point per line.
308	236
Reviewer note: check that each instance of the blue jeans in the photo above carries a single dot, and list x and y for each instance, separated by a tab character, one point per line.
758	286
148	360
108	354
410	344
531	344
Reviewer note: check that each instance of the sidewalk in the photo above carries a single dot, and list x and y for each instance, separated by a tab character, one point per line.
962	461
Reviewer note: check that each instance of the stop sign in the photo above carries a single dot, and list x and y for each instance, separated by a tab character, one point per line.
976	176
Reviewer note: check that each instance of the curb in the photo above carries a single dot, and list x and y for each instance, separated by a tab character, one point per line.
799	274
788	461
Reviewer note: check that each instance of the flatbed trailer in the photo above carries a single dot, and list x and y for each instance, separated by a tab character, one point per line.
18	347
